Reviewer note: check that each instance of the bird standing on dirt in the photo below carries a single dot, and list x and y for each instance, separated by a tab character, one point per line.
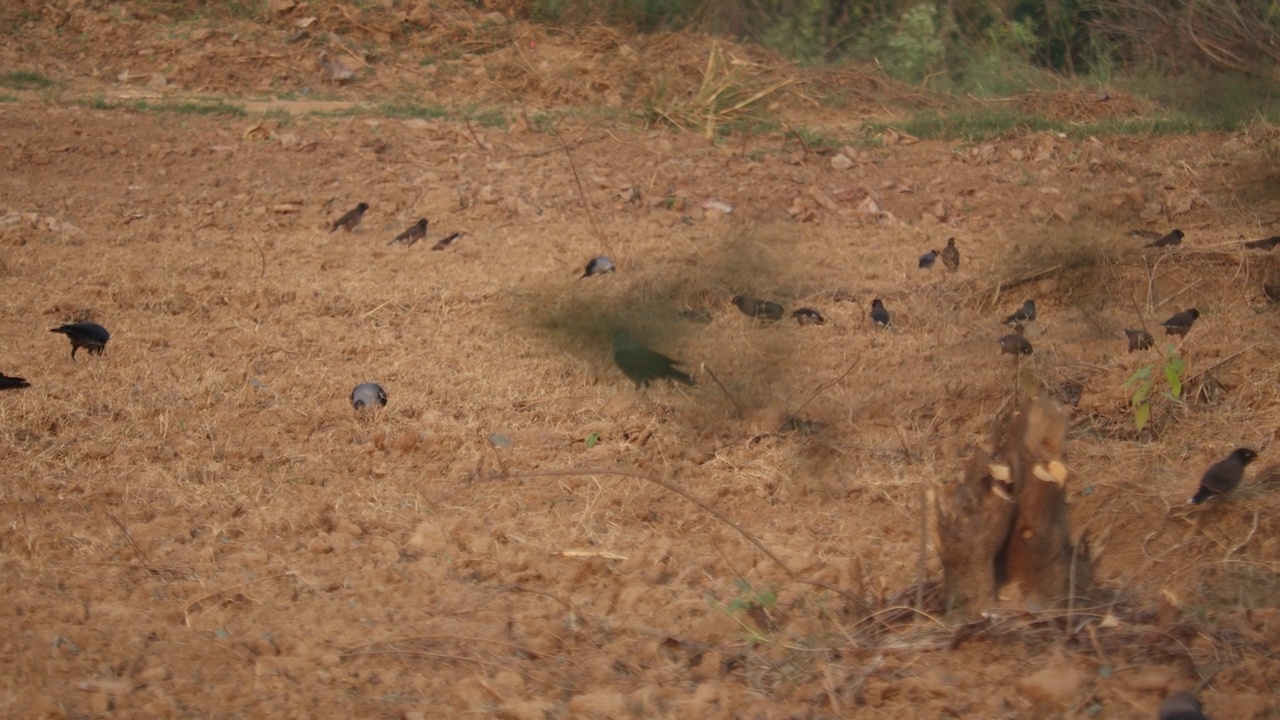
951	255
879	315
353	217
809	316
1173	239
1139	339
334	70
1181	323
642	364
1015	344
367	395
1026	313
412	235
12	383
1223	476
1181	705
926	260
90	336
599	265
1267	244
757	308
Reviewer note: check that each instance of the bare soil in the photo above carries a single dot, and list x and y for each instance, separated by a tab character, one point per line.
198	524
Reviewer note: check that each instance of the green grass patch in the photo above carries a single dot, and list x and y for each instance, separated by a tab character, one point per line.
193	107
23	80
6	98
980	125
406	110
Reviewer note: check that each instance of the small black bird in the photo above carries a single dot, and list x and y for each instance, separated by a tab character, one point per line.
757	308
351	219
642	364
1223	476
1173	239
1180	324
1015	345
951	255
412	235
926	260
879	315
1181	705
446	241
90	336
809	316
367	395
1139	339
599	265
1026	313
698	314
1267	244
12	383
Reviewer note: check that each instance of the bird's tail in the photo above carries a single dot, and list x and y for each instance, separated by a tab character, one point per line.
1201	495
682	377
13	383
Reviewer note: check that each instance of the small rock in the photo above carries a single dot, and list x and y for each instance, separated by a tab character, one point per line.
841	162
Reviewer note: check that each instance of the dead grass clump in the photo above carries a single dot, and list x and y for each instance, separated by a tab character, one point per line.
1080	105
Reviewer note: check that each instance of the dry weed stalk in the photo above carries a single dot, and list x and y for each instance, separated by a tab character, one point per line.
724	95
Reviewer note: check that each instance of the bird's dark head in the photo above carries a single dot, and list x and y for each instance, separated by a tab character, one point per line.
362	207
422	223
1029	305
1245	455
738	300
1194	313
622	340
877	303
951	242
1178	234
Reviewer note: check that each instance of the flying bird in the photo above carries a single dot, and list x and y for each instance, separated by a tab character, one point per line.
447	240
879	315
367	395
926	260
1026	313
1139	339
12	383
809	316
1223	476
642	364
1267	244
1173	239
599	265
1181	323
412	235
90	336
1015	344
1181	705
353	217
951	255
757	308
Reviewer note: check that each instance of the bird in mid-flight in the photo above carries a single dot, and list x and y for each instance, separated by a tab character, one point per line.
353	217
599	265
642	364
951	255
1139	339
1181	323
1223	476
1026	313
926	260
808	316
757	308
1173	239
90	336
412	235
367	395
879	315
12	383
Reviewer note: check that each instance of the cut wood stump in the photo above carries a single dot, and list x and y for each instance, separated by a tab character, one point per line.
1002	532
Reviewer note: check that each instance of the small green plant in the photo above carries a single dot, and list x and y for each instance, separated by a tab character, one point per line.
1143	383
592	439
23	80
754	604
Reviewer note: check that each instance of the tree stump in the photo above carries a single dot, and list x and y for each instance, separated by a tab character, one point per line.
1002	531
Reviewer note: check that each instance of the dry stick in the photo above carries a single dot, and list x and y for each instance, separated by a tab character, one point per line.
1141	322
825	386
474	138
421	638
582	194
129	537
736	406
186	609
804	145
1232	356
746	534
924	545
263	271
